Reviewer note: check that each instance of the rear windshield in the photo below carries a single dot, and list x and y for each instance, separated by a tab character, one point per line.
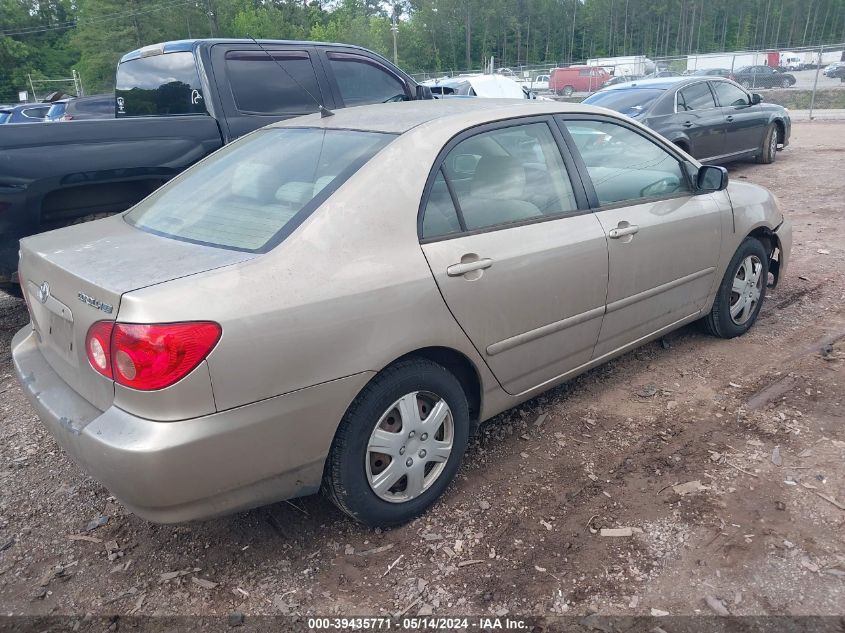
252	193
629	101
159	85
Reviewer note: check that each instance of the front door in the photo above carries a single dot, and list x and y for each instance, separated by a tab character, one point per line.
663	241
745	123
518	257
702	120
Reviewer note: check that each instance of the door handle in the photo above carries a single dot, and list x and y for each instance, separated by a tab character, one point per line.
688	124
730	118
456	270
616	233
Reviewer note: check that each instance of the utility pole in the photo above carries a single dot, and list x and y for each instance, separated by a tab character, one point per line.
210	18
394	28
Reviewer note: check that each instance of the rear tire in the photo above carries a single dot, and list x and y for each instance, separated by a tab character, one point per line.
785	83
358	478
741	293
568	91
745	84
769	150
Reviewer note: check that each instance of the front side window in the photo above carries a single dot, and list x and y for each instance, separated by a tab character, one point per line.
260	86
695	97
499	177
165	84
362	81
730	95
624	165
245	195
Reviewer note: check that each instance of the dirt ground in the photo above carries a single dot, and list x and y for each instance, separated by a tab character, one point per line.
519	531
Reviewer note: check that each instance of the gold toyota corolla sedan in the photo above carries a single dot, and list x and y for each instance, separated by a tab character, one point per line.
337	302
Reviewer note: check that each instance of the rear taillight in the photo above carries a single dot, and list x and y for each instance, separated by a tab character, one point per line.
149	356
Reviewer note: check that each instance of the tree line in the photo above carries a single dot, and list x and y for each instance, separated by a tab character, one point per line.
48	38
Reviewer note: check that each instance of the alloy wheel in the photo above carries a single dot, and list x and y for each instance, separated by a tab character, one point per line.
746	289
409	447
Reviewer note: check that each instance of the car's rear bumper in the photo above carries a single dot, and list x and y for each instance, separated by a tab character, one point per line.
198	468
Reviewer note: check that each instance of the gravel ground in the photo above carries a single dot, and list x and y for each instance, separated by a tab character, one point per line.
758	530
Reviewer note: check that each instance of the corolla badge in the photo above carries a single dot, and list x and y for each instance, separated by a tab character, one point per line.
44	292
95	303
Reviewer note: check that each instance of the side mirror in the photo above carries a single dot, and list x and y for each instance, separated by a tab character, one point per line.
756	98
712	178
424	92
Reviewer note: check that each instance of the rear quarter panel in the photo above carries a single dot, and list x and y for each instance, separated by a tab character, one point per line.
348	292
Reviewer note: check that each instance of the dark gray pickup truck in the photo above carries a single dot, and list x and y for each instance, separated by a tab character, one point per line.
175	103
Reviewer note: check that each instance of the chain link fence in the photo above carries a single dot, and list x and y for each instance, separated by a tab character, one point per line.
802	79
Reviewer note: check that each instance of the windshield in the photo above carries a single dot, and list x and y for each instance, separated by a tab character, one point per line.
631	102
256	191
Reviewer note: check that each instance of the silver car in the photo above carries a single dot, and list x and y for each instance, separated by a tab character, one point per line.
337	302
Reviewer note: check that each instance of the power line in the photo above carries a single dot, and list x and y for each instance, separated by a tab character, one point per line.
103	18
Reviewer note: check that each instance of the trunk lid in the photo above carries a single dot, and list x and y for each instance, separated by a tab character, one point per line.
75	276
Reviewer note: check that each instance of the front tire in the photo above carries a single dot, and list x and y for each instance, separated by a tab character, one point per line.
399	445
741	293
568	91
769	150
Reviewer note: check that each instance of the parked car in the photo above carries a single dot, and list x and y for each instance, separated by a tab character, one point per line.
24	113
712	119
763	77
622	79
486	86
714	72
836	71
230	344
168	118
662	74
540	83
566	81
79	108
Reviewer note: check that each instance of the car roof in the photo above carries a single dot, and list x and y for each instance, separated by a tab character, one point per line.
398	118
177	46
663	83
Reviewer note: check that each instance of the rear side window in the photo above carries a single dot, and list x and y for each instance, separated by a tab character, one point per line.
159	85
36	113
499	177
259	86
625	166
362	80
695	97
253	192
4	116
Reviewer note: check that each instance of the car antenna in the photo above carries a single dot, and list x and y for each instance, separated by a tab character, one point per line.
324	111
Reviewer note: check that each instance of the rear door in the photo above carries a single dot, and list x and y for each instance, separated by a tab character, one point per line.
258	87
703	121
663	241
518	257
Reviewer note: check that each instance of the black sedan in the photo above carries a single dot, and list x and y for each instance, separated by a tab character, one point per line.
711	118
714	72
762	77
